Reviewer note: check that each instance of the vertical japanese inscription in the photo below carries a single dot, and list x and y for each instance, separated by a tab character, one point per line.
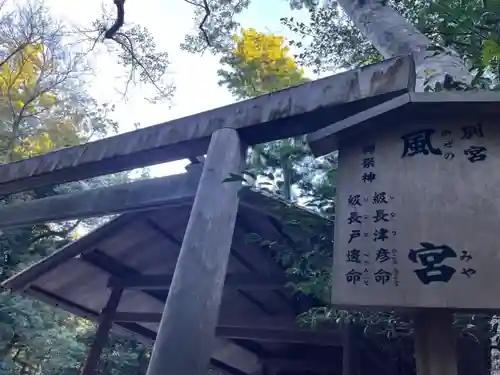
358	257
385	258
354	275
368	163
370	263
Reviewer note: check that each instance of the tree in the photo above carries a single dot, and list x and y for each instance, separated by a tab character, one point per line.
258	64
460	39
469	30
134	47
261	63
44	105
392	35
387	30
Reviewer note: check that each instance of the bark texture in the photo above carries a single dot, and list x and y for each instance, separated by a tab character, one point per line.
392	35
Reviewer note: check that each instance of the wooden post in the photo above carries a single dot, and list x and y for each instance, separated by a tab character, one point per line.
101	336
350	358
186	334
435	343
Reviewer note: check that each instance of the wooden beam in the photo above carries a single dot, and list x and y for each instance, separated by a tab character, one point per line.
350	352
192	308
235	356
224	350
326	140
137	317
298	336
457	97
162	282
123	198
117	199
282	114
82	312
296	365
435	343
101	338
225	321
266	329
417	105
77	248
224	369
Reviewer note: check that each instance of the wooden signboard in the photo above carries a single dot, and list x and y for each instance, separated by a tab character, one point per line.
418	202
417	218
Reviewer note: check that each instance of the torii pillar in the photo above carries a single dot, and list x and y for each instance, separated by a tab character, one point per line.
186	334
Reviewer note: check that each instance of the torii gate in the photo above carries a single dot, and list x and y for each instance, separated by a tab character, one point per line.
223	134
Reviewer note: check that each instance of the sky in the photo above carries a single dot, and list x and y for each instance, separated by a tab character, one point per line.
194	75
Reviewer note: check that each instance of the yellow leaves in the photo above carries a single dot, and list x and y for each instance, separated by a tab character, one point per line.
20	75
47	99
260	63
269	49
52	135
35	145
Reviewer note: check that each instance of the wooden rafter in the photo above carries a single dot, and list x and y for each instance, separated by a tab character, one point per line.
162	282
247	328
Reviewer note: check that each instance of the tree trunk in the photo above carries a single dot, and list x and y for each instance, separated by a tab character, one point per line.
392	35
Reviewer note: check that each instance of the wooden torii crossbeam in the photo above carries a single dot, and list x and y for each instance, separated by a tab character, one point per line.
187	330
283	114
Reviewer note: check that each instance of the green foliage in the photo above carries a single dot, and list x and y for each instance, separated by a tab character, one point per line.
215	28
335	42
491	51
306	251
214	31
139	53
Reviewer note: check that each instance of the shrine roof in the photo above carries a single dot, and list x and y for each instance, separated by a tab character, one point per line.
258	310
410	106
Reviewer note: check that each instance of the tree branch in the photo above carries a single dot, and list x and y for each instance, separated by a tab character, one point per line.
130	49
120	19
13	53
201	26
